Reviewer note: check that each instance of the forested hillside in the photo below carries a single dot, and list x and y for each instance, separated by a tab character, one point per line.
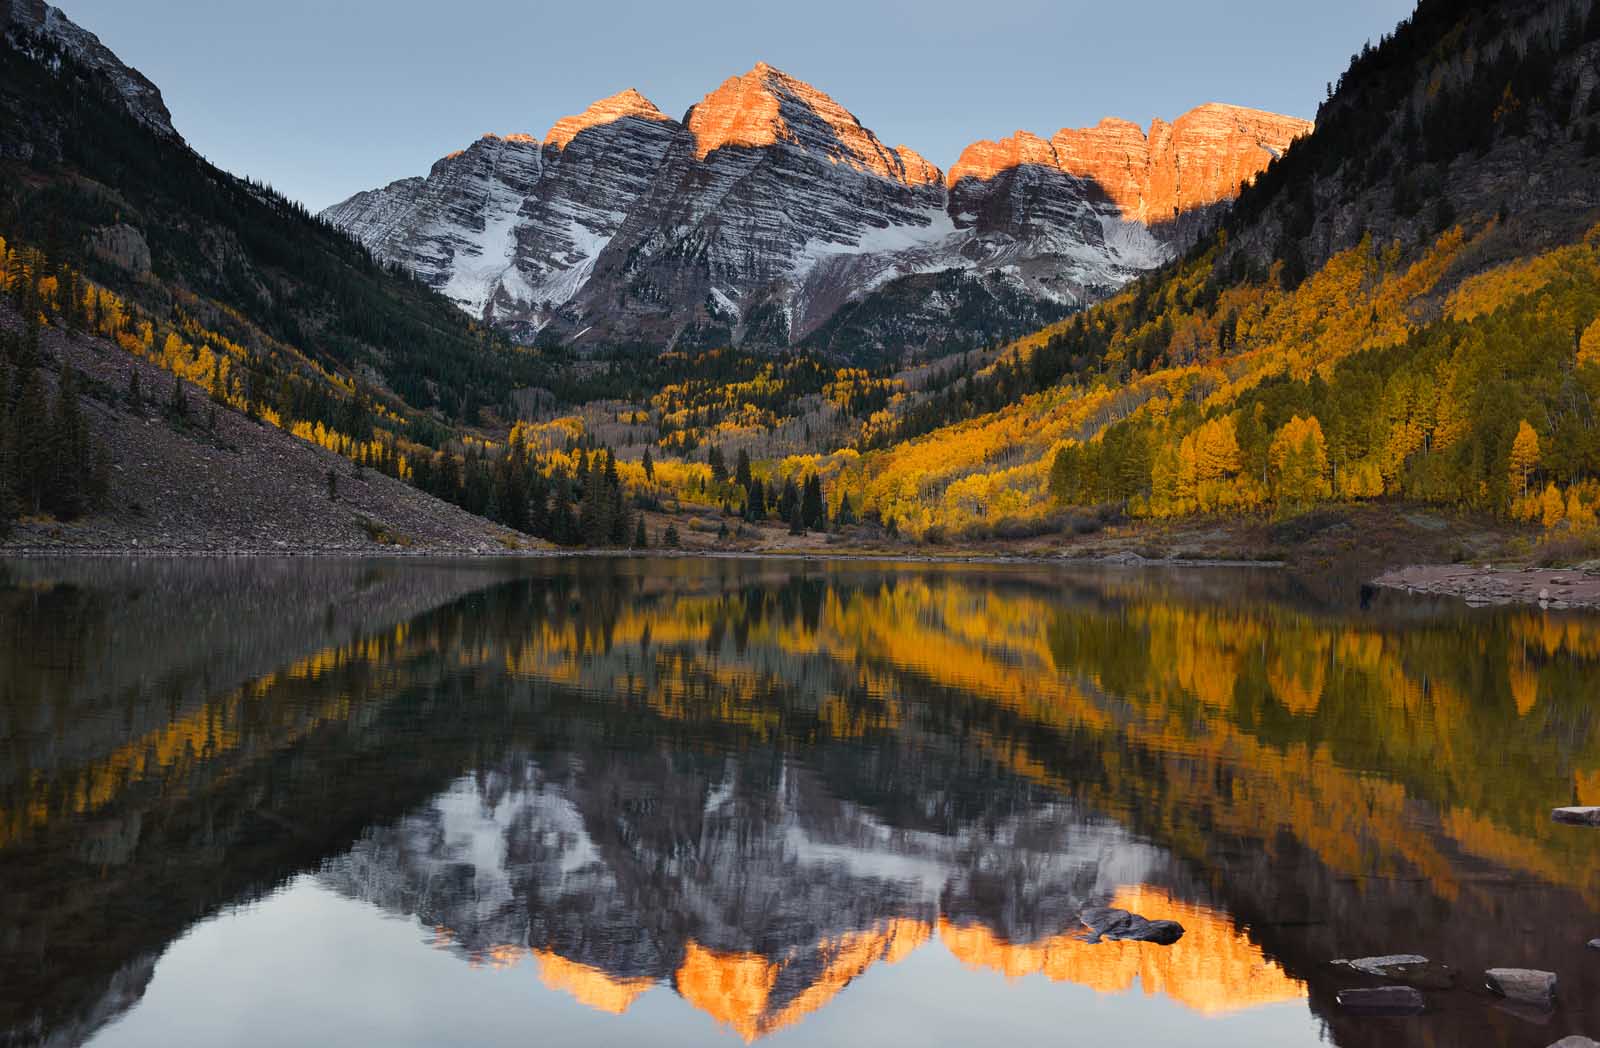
1404	306
110	227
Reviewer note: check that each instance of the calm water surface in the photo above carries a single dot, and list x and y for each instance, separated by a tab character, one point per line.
690	802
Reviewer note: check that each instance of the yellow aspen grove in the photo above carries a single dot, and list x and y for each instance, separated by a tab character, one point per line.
1581	517
1298	459
1589	346
1209	461
1552	507
1524	457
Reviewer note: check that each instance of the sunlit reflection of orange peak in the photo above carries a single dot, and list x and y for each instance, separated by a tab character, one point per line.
589	986
735	989
1214	969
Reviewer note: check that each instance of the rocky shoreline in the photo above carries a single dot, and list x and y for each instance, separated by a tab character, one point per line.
1488	586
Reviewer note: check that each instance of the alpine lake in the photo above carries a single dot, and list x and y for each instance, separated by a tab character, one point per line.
676	801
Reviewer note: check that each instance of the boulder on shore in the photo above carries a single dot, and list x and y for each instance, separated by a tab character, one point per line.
1588	816
1382	1000
1524	985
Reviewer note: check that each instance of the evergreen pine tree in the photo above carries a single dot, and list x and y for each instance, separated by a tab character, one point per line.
813	510
178	403
797	524
649	466
616	506
8	499
538	505
563	528
67	477
756	504
30	441
640	539
789	500
741	474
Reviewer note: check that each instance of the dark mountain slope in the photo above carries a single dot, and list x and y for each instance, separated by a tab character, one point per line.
1469	109
96	187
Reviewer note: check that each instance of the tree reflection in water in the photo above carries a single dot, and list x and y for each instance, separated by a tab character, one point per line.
751	782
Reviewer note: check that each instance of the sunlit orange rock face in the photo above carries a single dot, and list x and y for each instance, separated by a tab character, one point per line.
1213	969
608	110
1198	160
766	106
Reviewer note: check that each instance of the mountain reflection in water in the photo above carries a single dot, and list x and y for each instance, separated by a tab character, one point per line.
751	785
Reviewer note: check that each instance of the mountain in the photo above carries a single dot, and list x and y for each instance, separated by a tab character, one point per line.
142	98
97	179
1404	306
116	237
770	206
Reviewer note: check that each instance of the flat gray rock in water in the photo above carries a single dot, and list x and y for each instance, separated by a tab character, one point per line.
1409	968
1576	1041
1577	816
1383	1000
1526	985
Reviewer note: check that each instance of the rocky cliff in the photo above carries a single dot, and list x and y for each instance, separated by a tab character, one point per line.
770	206
141	96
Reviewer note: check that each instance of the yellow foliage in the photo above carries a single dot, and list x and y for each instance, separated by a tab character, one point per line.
1299	461
1589	346
1552	507
1524	457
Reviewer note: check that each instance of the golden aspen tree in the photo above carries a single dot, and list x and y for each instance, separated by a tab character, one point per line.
1524	457
1552	507
1589	346
1581	517
1298	458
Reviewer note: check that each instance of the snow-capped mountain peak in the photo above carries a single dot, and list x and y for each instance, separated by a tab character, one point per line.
771	205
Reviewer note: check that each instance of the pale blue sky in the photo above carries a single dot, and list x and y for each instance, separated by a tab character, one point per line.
323	98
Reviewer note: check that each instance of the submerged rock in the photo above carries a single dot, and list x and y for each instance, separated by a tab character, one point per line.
1594	944
1409	968
1577	816
1383	1000
1576	1041
1525	985
1106	923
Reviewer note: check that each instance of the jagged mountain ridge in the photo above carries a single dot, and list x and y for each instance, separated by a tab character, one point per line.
142	97
770	206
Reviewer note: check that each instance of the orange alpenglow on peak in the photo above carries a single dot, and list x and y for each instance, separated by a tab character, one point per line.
918	170
1197	160
620	106
767	106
